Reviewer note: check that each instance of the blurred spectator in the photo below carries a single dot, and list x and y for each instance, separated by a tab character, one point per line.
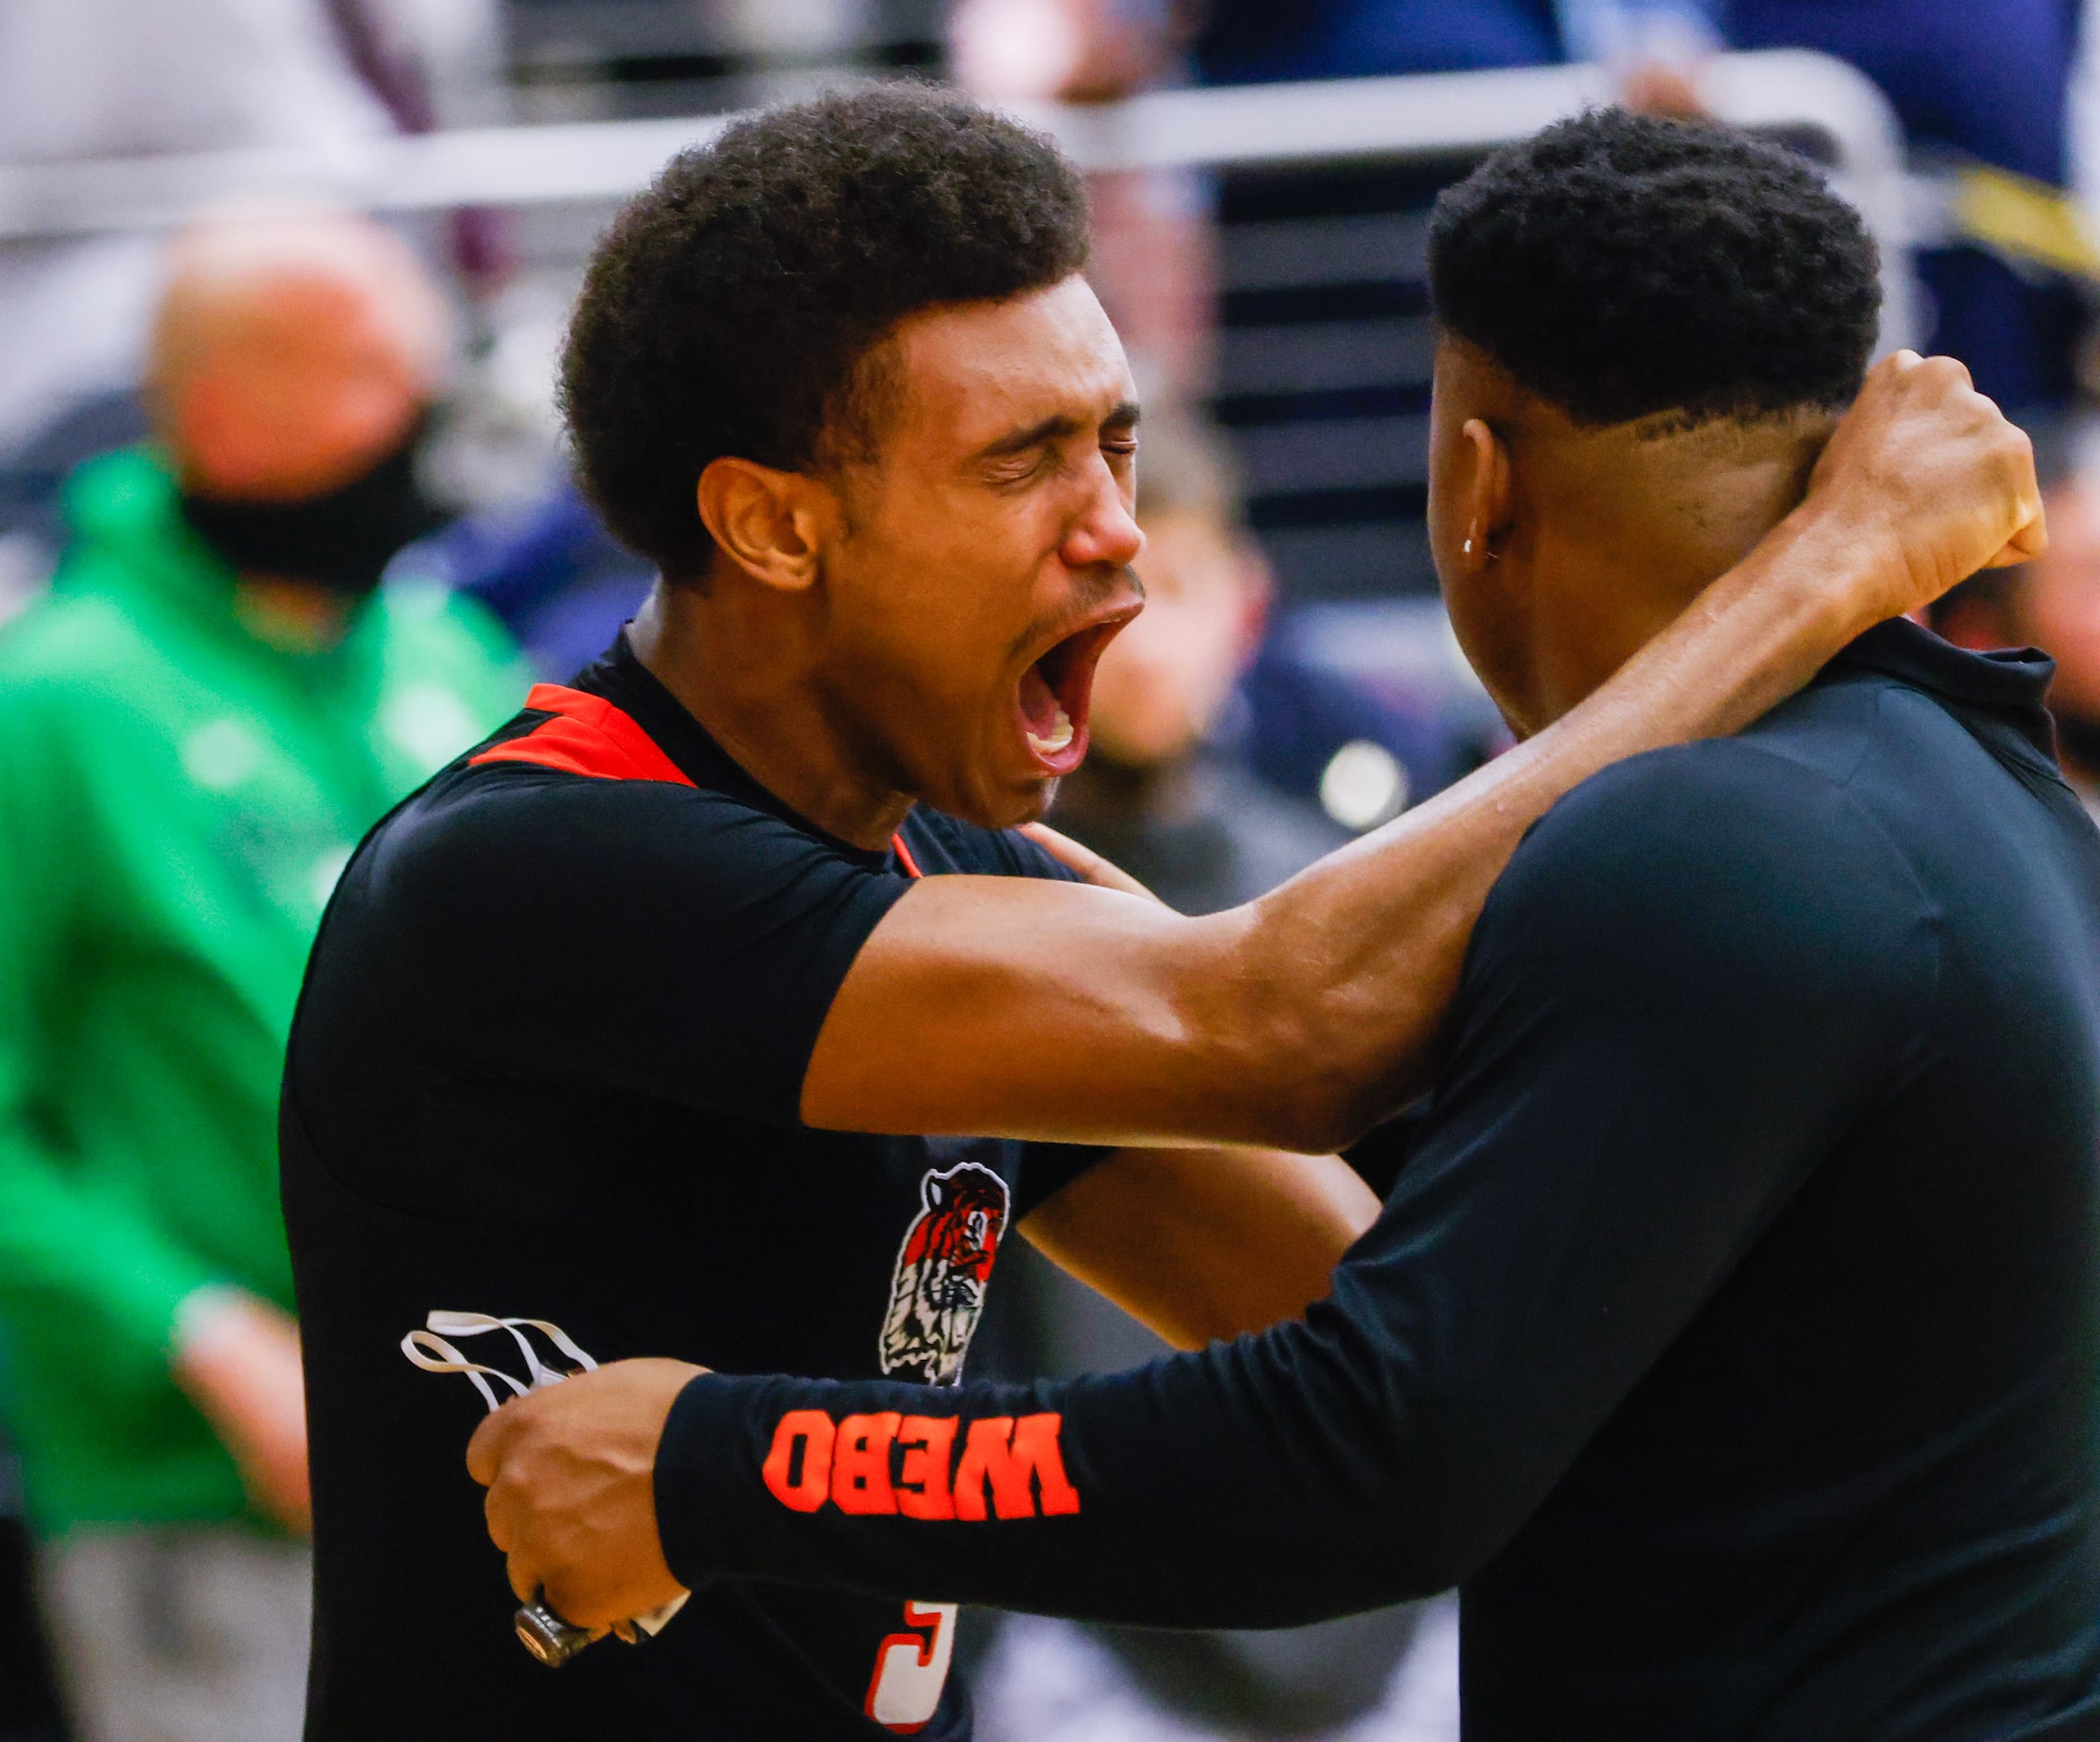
118	78
1205	833
196	726
1202	831
1986	81
1154	261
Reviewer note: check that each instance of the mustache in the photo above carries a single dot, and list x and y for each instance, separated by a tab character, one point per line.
1096	588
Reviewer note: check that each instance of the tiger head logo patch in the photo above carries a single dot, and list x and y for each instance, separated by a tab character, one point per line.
943	1268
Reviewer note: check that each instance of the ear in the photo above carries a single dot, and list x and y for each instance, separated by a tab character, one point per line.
770	524
1488	498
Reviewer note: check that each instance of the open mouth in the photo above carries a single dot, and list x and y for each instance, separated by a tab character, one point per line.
1054	696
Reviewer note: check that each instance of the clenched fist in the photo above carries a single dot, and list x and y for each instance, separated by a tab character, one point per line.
1923	483
570	1472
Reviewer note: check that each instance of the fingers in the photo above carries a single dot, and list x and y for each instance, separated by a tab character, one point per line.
505	1511
485	1450
1089	866
2030	542
525	1581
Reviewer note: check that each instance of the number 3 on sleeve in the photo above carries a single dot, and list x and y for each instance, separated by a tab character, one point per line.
912	1668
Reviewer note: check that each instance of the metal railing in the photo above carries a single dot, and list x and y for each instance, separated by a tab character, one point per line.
1794	91
1324	341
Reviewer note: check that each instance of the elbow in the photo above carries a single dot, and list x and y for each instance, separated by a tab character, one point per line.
1316	1085
1310	1059
1311	1116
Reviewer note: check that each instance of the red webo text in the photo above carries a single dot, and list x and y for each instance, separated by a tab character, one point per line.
1007	1465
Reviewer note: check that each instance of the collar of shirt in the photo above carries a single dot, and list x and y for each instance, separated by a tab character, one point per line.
2008	684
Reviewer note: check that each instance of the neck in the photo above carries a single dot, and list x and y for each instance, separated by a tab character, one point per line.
294	616
1624	528
749	676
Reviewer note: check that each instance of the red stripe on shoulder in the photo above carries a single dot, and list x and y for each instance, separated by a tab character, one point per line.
586	736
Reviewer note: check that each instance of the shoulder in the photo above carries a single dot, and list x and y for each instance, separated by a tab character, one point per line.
1722	871
509	839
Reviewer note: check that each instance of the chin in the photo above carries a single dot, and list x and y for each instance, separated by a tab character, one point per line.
997	806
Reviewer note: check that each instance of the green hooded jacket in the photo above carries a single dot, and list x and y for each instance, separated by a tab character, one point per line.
176	799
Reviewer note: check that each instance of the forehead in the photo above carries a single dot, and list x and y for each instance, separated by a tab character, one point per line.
972	373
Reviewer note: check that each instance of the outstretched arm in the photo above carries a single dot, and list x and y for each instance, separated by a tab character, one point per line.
1024	1009
1654	1051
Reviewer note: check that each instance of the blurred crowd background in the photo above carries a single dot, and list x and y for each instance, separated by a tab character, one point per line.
284	523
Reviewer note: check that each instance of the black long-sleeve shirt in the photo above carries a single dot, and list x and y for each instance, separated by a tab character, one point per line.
1730	1340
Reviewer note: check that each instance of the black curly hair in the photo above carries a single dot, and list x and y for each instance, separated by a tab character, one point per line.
735	307
1620	265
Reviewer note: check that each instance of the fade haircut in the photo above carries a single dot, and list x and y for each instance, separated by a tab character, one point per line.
736	307
1622	265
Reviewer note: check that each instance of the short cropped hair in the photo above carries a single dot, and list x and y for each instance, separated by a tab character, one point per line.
1622	265
735	307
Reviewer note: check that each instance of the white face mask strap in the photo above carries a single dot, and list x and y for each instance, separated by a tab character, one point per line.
444	1324
449	1360
560	1338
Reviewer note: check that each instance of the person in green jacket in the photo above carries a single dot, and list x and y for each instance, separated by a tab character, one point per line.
213	704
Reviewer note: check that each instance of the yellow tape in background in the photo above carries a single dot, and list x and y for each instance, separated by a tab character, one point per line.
2028	222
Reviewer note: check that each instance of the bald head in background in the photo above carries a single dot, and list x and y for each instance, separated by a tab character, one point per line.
293	359
290	351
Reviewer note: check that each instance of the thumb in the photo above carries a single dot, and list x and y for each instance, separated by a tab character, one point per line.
491	1443
1083	862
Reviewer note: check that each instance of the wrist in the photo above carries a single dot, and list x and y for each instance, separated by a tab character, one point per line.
1843	572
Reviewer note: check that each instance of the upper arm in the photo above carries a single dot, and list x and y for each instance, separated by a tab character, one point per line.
1206	1244
1016	1007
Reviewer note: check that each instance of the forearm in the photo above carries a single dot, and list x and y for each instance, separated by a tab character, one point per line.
1075	1014
1204	1244
1023	1008
1187	1494
1350	967
71	1255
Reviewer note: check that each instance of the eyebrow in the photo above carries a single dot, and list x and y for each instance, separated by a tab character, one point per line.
1053	429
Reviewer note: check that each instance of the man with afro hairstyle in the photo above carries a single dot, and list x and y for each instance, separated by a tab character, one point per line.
1729	1336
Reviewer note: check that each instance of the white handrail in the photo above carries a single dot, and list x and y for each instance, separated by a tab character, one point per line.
1325	121
1271	124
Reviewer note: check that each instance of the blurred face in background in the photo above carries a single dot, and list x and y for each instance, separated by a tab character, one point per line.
290	356
294	359
1162	683
2062	602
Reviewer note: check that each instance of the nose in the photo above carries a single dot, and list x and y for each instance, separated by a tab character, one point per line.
1104	532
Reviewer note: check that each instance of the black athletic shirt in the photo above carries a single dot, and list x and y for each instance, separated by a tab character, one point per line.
546	1067
1729	1337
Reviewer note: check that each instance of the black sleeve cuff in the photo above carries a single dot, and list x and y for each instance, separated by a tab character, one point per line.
692	1464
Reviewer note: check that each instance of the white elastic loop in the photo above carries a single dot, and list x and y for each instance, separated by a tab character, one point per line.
476	1325
451	1361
